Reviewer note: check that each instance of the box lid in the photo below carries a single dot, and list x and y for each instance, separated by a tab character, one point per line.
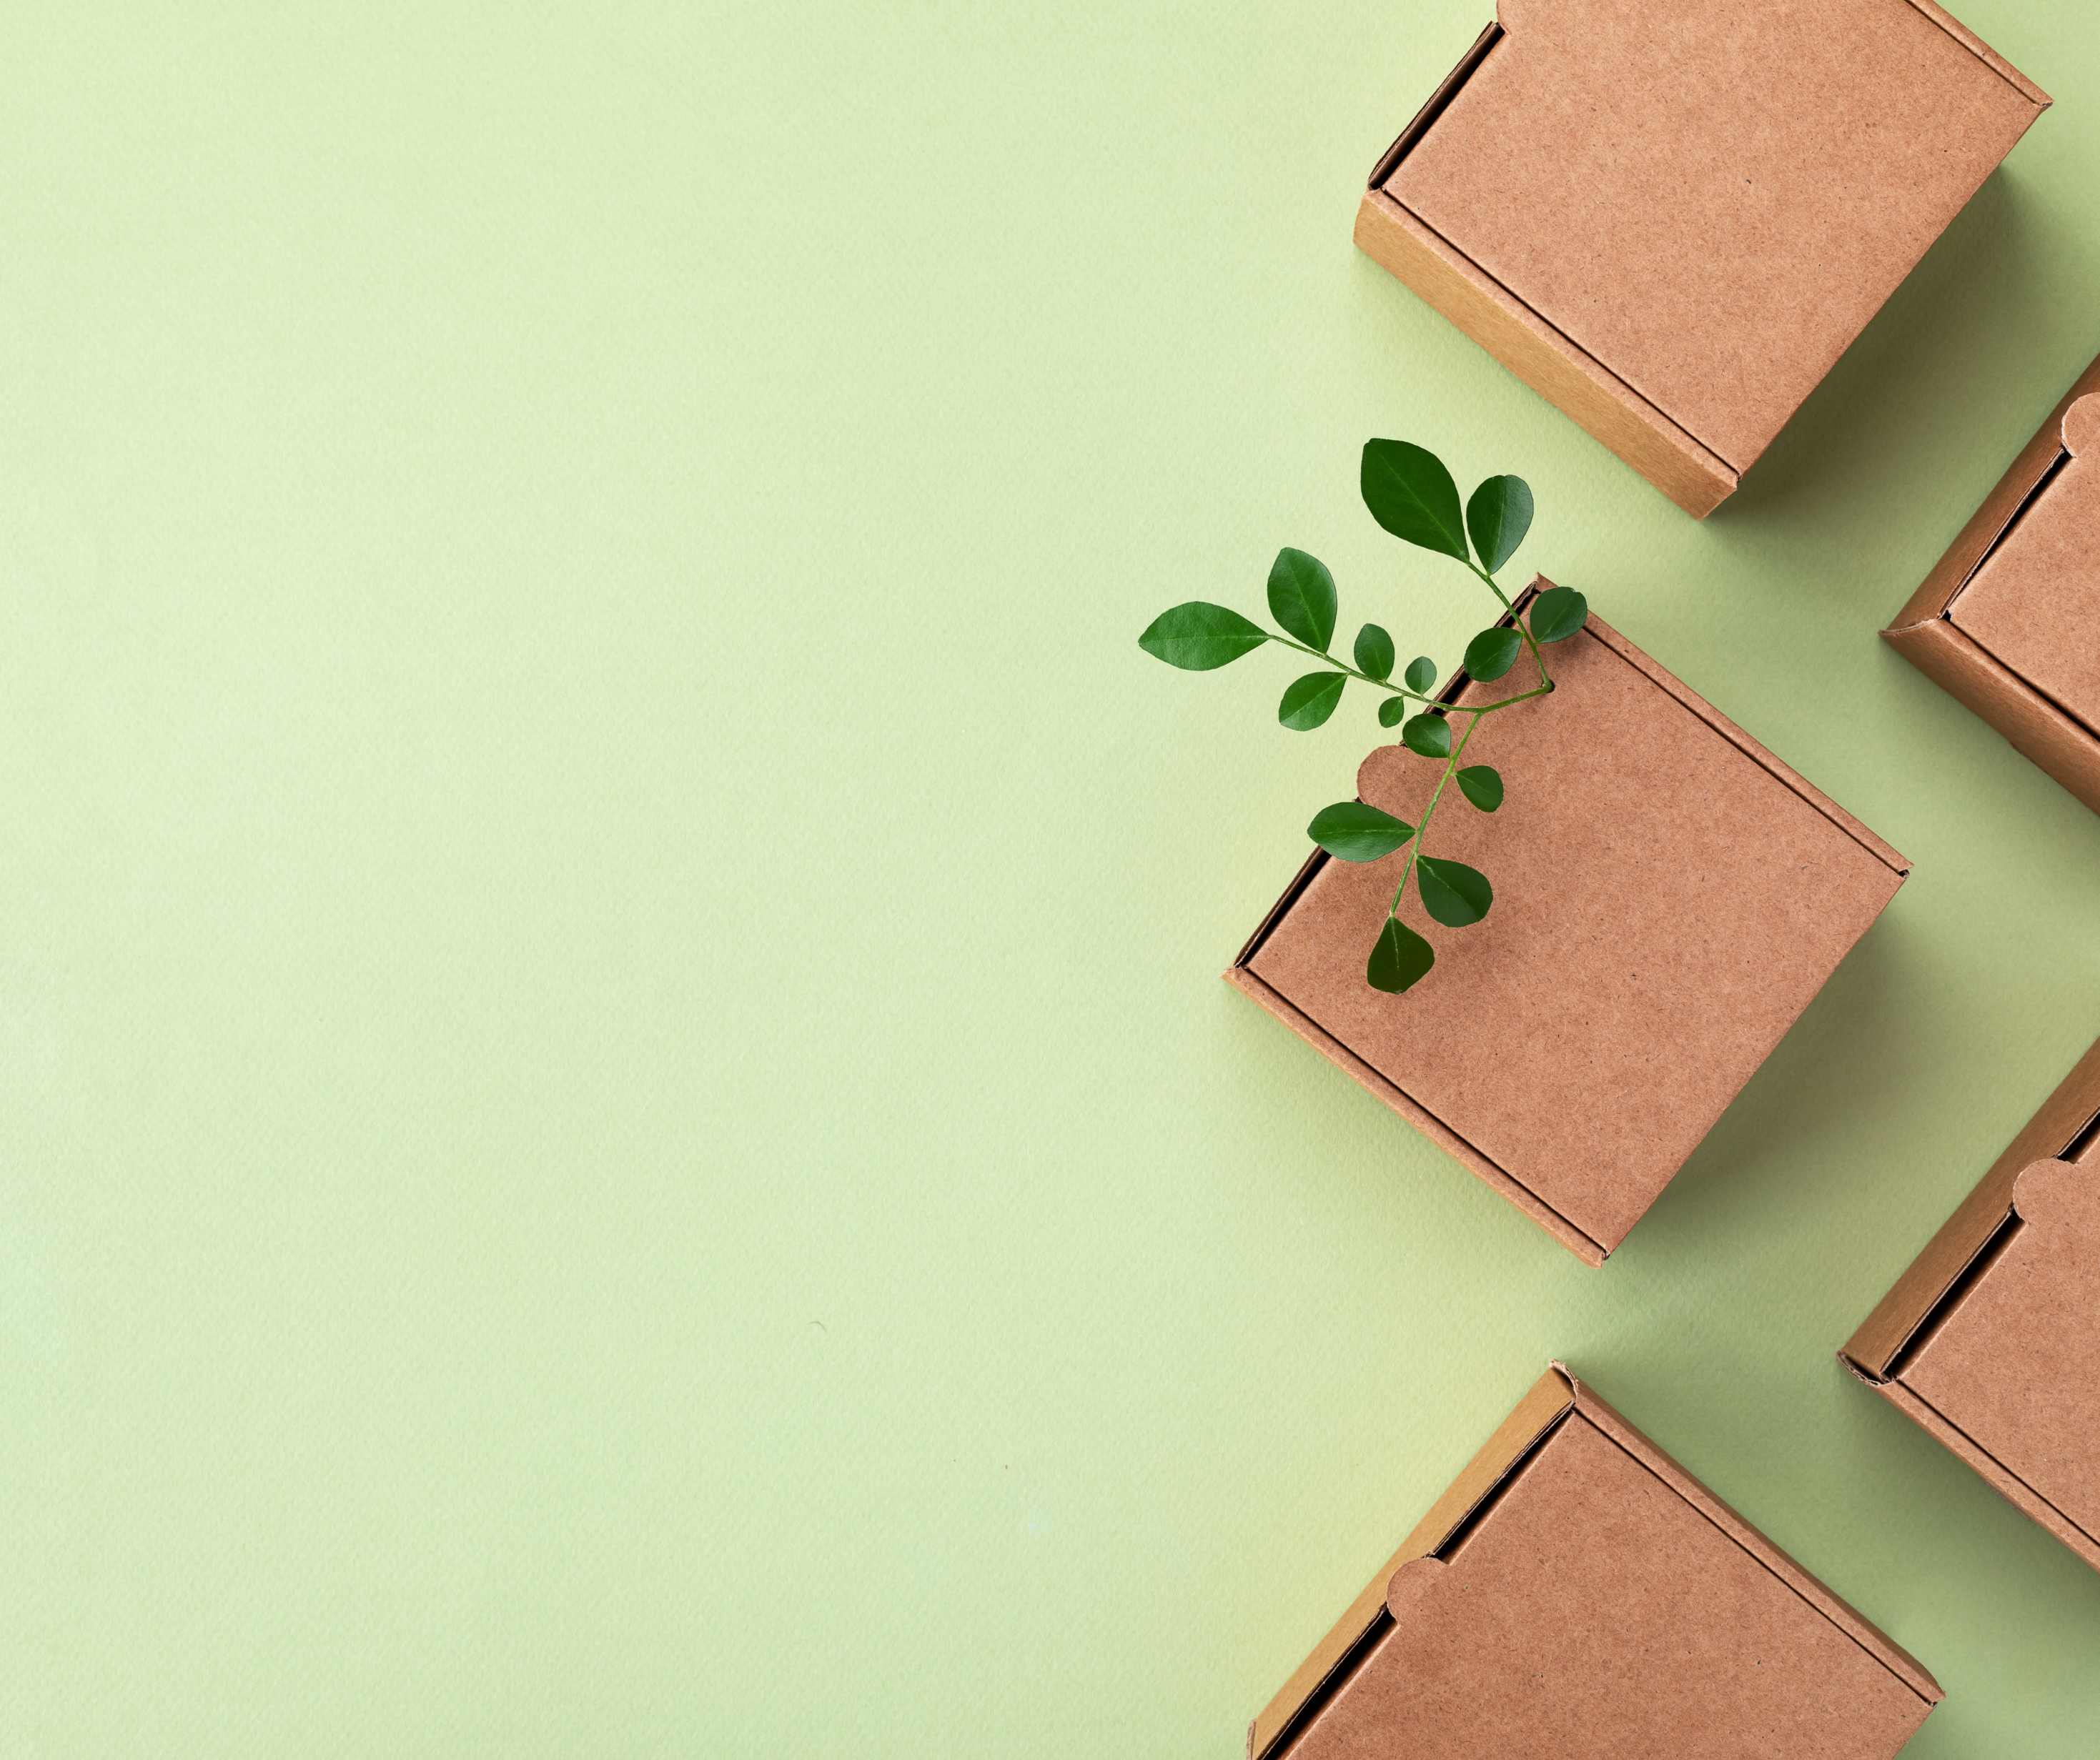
1713	202
1669	898
2013	1362
1602	1602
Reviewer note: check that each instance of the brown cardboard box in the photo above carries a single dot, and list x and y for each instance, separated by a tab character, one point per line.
1670	219
1668	897
1577	1593
1990	1340
2010	620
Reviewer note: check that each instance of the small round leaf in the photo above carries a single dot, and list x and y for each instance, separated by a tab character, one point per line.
1198	637
1492	652
1482	785
1452	893
1498	516
1310	700
1301	597
1427	734
1390	710
1400	958
1411	494
1356	832
1557	613
1421	673
1374	651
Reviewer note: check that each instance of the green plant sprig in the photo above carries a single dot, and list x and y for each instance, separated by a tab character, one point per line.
1411	494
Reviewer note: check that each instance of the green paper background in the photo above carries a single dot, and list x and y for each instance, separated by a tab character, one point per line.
618	1131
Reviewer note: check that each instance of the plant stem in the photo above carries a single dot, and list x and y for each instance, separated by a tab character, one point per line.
1530	640
1422	828
1430	702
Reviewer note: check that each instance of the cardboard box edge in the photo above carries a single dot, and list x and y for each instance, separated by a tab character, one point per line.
1986	54
1552	1395
1596	400
1986	1467
1751	748
2070	1106
1840	1614
1988	524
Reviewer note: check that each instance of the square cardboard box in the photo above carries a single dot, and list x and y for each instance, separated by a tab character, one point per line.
1669	898
2009	622
1670	219
1577	1593
1990	1340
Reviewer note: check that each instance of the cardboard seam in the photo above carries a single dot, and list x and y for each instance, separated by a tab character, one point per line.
1992	1248
1762	1564
1634	399
1796	785
1462	1530
2019	684
2069	715
1324	1695
1926	1405
1440	100
2050	473
1984	53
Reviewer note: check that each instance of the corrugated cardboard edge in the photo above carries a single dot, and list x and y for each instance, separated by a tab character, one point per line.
1591	1250
1872	1351
2038	728
1599	402
1551	1398
2015	1491
1861	1630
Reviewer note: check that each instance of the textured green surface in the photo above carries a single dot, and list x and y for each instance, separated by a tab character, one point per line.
619	1136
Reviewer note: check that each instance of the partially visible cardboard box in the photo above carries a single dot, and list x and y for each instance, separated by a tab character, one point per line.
1990	1340
1577	1593
2009	622
1670	219
1669	898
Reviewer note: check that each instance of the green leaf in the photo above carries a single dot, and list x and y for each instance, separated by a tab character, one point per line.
1411	494
1374	651
1492	652
1390	710
1400	958
1428	734
1199	638
1356	832
1498	516
1309	701
1421	673
1301	597
1557	613
1482	785
1453	893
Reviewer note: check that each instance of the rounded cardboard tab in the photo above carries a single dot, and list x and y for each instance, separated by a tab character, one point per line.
1410	1587
2081	425
1378	776
2047	1192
